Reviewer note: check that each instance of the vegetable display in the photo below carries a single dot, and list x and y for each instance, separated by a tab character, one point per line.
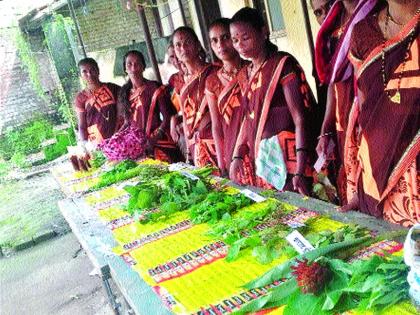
168	194
128	169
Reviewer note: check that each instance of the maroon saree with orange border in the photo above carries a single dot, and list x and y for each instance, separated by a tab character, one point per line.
100	108
148	104
229	111
266	114
197	121
383	140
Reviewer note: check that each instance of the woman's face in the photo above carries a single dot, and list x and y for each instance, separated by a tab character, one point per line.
221	42
172	59
320	9
133	66
247	41
89	73
186	47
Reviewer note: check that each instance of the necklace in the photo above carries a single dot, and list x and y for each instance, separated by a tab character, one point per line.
229	75
396	98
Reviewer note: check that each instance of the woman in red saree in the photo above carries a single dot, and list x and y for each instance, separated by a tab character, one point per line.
146	105
195	113
277	103
335	70
383	140
96	106
223	94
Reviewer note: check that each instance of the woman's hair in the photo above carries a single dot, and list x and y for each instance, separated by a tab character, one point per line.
123	102
224	22
186	29
135	53
88	61
254	19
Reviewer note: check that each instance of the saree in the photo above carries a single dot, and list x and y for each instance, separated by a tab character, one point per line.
383	141
148	103
196	119
229	112
100	108
266	114
334	69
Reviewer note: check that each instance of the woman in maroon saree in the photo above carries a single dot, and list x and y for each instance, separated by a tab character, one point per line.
277	102
223	94
195	113
142	103
96	106
383	141
335	70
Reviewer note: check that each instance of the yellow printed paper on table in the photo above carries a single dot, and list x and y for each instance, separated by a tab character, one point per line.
75	182
187	269
80	182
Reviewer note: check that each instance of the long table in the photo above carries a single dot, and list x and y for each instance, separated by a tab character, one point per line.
101	228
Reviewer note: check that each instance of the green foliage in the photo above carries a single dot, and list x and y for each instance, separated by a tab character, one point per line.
374	284
170	193
128	169
30	64
58	31
26	139
98	159
239	231
59	148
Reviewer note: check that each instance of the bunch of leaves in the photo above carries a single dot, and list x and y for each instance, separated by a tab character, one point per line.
97	159
128	169
344	233
216	205
27	139
328	237
170	193
240	231
365	285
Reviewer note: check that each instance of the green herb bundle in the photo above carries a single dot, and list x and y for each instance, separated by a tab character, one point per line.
241	231
128	169
365	285
98	159
216	205
168	194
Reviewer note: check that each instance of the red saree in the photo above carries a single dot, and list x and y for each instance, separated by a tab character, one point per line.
148	103
266	114
196	119
383	140
229	112
100	108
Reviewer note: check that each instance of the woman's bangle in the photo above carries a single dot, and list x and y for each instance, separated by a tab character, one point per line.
298	175
326	134
302	149
237	158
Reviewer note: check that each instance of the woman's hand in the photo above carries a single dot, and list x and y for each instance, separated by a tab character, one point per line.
352	205
173	129
322	147
299	185
236	171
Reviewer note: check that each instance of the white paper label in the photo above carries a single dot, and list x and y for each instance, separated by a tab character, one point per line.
190	176
299	242
251	195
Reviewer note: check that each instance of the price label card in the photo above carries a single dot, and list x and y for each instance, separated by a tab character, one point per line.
253	196
299	242
190	176
177	167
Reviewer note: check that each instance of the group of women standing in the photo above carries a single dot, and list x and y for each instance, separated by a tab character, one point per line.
252	114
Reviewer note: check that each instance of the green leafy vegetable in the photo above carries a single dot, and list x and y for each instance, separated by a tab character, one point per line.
128	169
